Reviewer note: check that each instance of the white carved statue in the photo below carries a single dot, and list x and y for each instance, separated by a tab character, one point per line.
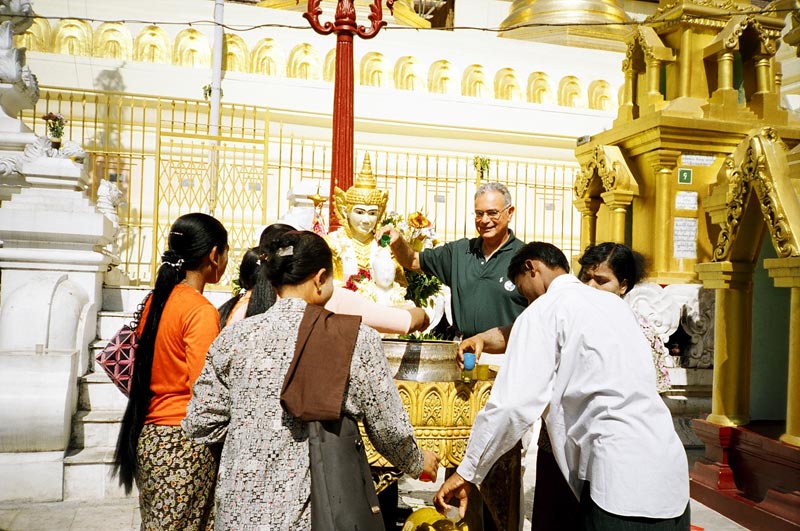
109	197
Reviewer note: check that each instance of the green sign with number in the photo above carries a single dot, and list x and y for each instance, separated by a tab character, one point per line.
684	176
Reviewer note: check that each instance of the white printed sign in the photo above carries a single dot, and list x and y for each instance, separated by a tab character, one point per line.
686	201
684	238
697	159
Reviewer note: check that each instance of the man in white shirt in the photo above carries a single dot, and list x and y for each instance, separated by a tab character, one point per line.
581	352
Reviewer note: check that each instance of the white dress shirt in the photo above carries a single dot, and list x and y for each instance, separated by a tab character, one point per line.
581	351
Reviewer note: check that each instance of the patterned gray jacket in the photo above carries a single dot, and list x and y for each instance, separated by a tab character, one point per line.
264	479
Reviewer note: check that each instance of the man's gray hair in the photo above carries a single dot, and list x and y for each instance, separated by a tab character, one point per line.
494	187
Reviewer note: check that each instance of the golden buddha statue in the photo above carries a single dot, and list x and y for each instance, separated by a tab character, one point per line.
359	210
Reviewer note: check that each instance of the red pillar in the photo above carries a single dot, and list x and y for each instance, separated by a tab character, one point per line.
344	26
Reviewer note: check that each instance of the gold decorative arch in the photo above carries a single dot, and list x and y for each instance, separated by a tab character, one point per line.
605	178
607	168
304	62
539	90
758	167
474	81
152	45
600	95
329	66
37	38
506	85
113	40
267	58
73	37
372	70
236	54
756	192
440	79
191	49
406	75
570	93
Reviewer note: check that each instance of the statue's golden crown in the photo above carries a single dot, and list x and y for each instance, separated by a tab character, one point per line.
364	190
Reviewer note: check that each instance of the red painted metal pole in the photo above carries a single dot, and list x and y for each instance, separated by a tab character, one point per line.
345	27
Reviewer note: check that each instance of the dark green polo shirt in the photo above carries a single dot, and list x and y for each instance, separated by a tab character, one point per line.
482	294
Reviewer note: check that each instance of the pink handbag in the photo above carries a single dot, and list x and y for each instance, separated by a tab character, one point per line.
118	356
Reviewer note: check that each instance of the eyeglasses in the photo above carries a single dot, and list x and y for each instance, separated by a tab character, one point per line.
493	214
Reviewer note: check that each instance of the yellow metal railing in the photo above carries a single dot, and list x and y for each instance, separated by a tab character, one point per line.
159	153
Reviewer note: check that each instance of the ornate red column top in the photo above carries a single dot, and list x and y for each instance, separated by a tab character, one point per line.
344	26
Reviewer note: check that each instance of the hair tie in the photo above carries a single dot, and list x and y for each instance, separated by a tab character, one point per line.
285	251
176	233
176	264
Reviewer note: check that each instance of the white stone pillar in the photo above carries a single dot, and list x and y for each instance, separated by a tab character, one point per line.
52	268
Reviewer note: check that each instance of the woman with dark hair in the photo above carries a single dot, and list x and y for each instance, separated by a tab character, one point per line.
265	467
617	268
384	319
612	267
174	475
238	307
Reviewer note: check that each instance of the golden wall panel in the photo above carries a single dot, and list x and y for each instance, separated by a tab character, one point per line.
440	77
372	69
506	85
191	49
37	38
152	45
329	67
236	58
267	58
474	82
406	75
73	37
112	40
539	90
304	62
600	96
570	93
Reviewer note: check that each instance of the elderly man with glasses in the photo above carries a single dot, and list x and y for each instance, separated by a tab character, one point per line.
482	297
475	269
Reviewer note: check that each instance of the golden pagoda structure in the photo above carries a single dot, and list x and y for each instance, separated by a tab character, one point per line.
701	173
586	23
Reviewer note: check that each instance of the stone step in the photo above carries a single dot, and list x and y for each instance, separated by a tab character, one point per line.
95	429
123	298
96	392
87	475
109	323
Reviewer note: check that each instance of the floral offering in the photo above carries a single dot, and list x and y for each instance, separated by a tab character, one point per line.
55	124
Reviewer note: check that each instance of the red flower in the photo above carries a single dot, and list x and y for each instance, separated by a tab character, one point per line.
363	274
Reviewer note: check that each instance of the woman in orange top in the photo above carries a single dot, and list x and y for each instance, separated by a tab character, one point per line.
175	476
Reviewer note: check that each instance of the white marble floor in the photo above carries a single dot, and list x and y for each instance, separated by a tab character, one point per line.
123	514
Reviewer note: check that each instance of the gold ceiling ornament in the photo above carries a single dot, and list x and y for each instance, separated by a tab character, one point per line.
759	165
565	11
597	24
728	5
607	163
738	24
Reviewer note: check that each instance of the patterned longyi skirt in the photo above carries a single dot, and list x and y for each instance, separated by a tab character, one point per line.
175	477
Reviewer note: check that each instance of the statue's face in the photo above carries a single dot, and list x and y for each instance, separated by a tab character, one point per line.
362	220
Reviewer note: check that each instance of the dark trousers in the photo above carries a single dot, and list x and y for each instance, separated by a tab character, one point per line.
555	507
597	519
